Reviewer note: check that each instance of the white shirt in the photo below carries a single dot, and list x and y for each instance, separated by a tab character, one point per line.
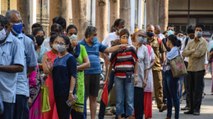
111	37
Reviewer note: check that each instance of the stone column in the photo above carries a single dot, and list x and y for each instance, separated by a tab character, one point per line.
23	6
152	11
125	12
64	9
114	11
101	18
79	16
54	9
32	12
164	14
0	6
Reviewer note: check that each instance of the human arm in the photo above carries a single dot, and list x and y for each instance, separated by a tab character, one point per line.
72	72
86	62
114	48
12	68
47	65
31	57
200	50
187	51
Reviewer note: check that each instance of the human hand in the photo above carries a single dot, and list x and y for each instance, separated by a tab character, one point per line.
135	80
144	83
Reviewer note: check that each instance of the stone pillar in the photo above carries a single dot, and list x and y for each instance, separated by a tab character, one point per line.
23	6
125	12
64	9
79	16
114	11
101	18
164	14
54	9
0	6
152	11
32	12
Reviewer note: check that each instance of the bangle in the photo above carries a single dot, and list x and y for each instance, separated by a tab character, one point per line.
71	91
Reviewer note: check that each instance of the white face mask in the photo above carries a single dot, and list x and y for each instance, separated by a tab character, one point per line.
3	35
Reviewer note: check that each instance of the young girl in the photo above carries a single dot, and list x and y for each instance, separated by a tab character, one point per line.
64	77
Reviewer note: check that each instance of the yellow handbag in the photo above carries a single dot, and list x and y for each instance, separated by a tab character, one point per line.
45	99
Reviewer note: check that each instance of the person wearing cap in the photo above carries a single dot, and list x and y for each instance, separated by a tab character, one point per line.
80	53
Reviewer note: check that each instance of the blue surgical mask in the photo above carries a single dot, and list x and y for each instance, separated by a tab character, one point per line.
198	34
17	28
94	40
170	32
142	40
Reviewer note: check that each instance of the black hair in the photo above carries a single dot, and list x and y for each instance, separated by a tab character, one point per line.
174	40
199	26
118	22
90	31
3	21
56	29
37	25
170	25
36	30
61	21
124	31
71	27
190	29
54	36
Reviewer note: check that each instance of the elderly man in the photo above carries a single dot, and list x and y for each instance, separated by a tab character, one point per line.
196	51
11	62
30	62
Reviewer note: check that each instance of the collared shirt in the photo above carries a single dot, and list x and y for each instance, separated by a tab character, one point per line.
30	61
197	57
158	48
11	53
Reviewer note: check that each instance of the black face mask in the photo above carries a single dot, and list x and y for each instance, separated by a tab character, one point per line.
150	34
39	40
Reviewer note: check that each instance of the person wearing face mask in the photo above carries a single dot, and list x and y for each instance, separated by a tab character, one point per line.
92	74
38	33
148	89
143	64
80	53
108	41
125	64
190	36
196	51
159	51
64	74
158	32
11	63
22	90
172	83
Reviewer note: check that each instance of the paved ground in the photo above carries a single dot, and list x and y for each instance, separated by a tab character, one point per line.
206	108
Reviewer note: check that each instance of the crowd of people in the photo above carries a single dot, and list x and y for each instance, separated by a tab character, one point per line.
51	77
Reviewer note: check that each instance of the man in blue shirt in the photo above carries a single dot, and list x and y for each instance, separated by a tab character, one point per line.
92	74
11	62
30	62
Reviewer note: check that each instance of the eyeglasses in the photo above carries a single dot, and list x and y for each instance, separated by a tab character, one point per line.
60	43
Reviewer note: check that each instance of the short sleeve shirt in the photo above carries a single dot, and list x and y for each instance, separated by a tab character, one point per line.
30	61
63	69
11	53
93	54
